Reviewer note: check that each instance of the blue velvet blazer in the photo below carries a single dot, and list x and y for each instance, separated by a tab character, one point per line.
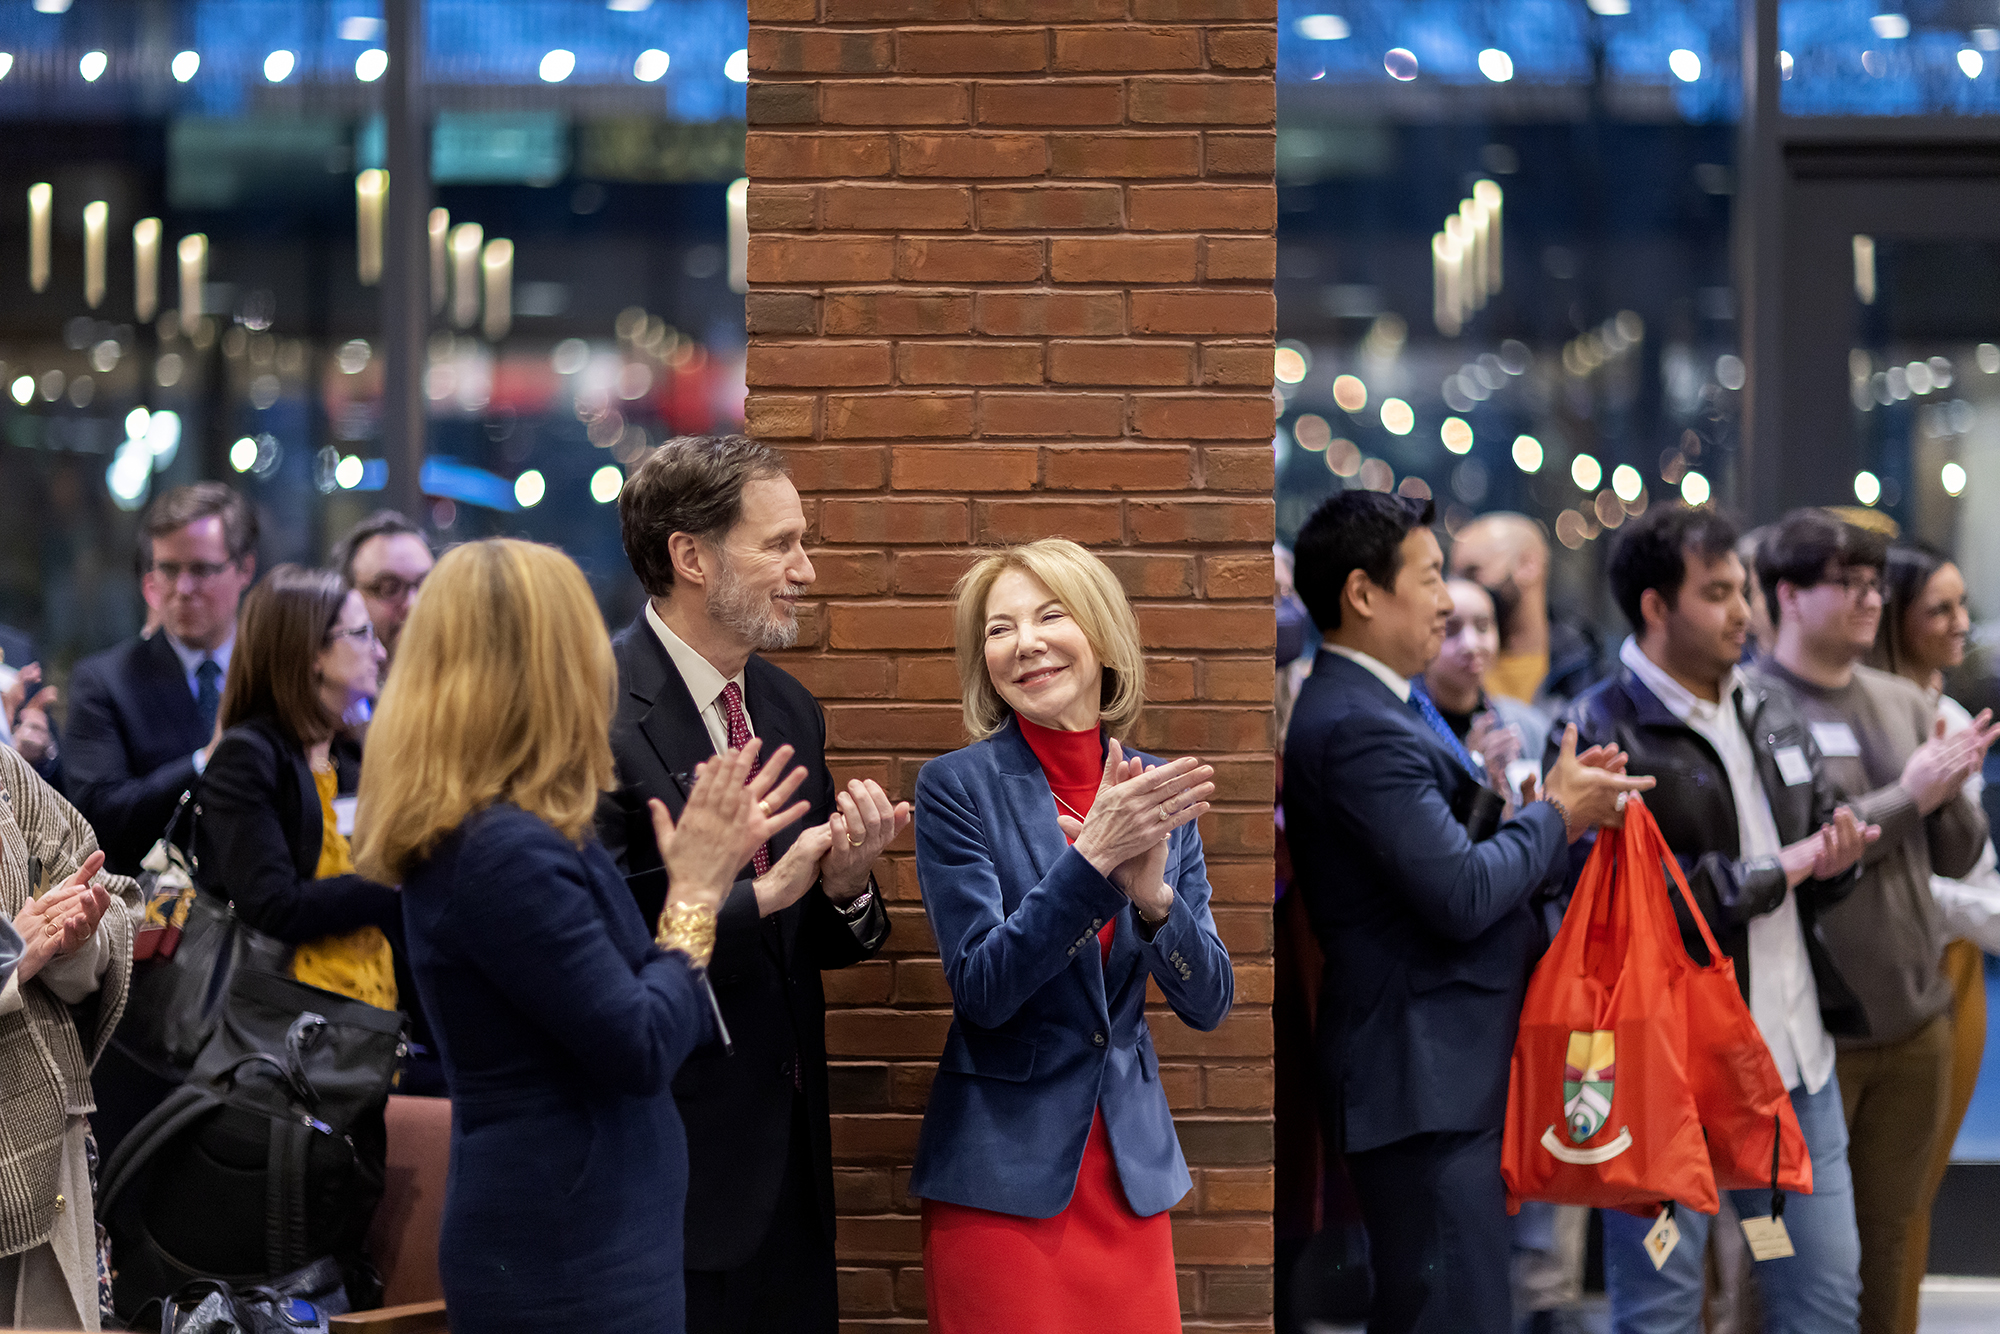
1044	1032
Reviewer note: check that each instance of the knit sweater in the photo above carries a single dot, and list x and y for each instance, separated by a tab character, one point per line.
44	1069
1887	936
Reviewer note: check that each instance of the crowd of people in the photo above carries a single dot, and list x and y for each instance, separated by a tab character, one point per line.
595	882
1778	709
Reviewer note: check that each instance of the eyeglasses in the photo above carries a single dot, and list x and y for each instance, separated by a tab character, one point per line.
1859	586
363	633
200	571
389	588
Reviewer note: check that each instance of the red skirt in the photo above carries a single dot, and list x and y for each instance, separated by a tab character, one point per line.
1096	1266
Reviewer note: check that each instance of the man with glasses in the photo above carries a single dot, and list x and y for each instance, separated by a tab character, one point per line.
385	558
142	714
1884	753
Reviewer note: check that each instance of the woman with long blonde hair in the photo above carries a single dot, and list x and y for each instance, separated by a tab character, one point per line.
560	1015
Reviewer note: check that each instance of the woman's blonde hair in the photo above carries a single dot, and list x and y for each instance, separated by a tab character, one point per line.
1089	592
502	692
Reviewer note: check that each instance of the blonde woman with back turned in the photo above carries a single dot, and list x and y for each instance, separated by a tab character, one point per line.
560	1015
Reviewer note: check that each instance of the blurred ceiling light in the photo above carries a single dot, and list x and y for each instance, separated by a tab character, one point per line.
736	69
651	66
1350	393
371	64
1953	477
1397	417
52	6
1527	453
1971	62
1784	64
606	483
1401	62
184	66
1611	9
1685	64
278	66
1496	64
557	65
347	472
6	63
92	65
1890	27
243	454
360	28
22	389
628	6
1626	482
1322	28
1456	434
1586	472
1867	487
1289	365
529	488
1694	489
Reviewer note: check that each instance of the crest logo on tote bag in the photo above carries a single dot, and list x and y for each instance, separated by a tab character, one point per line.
1589	1070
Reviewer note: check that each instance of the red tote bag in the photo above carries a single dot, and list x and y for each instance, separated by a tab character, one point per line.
1600	1108
1754	1140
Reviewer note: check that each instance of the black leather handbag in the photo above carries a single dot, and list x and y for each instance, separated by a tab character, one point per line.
176	1003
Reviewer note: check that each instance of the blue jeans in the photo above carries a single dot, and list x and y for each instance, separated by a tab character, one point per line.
1816	1291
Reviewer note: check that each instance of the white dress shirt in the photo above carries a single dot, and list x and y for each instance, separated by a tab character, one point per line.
703	681
1376	668
1783	998
191	661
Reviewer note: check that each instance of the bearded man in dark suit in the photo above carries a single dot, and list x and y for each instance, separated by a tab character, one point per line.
715	532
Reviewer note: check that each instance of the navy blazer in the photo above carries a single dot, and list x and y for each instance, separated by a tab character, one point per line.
561	1026
1429	937
129	744
1044	1031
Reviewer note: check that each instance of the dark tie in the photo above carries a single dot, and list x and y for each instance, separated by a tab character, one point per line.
1421	705
208	695
738	727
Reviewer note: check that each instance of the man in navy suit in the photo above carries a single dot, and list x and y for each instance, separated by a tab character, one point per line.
715	532
1429	932
142	714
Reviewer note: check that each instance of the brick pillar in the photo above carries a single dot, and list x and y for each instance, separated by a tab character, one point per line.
1010	276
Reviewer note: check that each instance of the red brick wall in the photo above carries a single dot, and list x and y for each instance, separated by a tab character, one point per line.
1010	269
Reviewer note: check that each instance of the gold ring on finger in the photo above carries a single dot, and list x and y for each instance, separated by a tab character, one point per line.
765	807
855	842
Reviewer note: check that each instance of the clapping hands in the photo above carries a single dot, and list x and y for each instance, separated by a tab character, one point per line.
63	920
1136	808
734	809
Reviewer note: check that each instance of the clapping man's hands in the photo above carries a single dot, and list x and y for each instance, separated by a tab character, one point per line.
862	824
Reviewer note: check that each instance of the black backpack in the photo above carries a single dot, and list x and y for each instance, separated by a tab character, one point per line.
269	1157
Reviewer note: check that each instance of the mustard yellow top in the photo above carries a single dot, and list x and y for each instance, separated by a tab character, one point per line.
358	964
1517	675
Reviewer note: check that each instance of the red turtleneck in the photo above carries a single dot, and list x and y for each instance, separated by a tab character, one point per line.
1073	762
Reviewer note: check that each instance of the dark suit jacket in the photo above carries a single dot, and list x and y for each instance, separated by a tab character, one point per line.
561	1025
129	744
738	1108
1045	1032
1429	937
257	843
1696	811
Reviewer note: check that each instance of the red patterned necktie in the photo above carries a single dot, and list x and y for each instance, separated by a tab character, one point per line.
738	727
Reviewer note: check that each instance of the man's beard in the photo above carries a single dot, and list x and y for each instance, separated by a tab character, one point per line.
750	614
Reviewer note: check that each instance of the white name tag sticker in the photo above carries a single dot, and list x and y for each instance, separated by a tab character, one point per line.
1792	766
1835	740
1768	1238
1664	1236
343	815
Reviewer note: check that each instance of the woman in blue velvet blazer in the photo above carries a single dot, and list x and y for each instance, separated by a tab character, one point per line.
560	1015
1047	946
